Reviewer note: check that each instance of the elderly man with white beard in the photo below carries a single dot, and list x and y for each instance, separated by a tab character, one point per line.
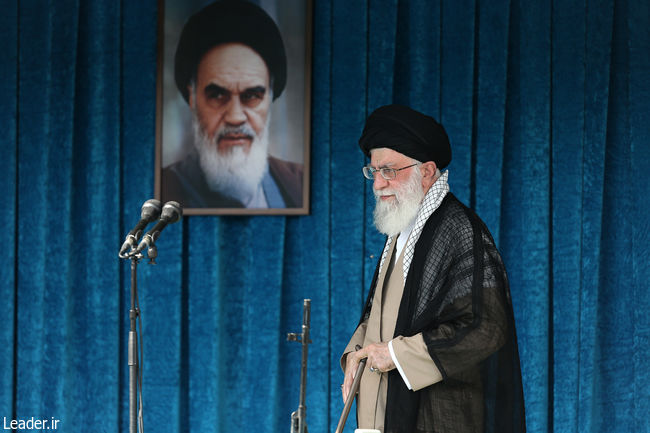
437	328
230	65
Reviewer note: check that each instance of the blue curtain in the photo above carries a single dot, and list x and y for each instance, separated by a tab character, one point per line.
547	107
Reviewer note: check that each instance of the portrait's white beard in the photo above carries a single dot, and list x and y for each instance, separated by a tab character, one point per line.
393	216
236	173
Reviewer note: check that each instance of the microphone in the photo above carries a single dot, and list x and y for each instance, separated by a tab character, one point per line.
171	212
150	212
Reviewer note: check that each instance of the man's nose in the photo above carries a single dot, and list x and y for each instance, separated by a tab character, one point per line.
379	182
235	112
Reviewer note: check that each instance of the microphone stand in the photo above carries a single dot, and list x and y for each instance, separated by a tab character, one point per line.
135	374
133	350
171	212
135	379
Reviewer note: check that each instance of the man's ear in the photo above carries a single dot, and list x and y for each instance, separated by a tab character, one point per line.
428	170
190	96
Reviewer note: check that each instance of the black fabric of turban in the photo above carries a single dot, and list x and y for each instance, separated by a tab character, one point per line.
230	21
408	132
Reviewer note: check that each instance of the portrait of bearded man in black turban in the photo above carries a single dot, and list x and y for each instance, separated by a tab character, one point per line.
232	137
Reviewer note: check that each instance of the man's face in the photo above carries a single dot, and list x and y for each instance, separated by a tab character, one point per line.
232	97
398	200
383	157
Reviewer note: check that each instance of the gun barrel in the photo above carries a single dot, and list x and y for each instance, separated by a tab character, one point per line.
306	313
353	393
298	421
306	317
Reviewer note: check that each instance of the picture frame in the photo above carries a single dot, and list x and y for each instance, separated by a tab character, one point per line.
288	123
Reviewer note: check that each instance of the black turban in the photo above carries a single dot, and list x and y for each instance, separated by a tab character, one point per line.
230	21
408	132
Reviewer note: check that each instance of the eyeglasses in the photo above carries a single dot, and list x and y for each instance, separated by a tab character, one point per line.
386	172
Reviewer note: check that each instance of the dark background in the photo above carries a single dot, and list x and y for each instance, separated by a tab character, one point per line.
546	104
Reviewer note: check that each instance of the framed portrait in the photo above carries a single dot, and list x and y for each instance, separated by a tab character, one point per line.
233	106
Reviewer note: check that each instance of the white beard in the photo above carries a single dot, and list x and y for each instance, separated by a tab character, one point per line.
236	174
394	216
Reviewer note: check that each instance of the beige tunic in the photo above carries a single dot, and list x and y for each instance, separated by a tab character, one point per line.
380	327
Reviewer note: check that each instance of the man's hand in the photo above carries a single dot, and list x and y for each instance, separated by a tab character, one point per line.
378	358
351	365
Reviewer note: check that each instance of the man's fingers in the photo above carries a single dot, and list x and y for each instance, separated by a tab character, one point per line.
360	354
352	364
379	357
350	371
347	384
376	356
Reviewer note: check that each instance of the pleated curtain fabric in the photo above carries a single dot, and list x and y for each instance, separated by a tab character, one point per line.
546	104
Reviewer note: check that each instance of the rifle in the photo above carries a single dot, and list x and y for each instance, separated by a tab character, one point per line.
298	421
353	393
